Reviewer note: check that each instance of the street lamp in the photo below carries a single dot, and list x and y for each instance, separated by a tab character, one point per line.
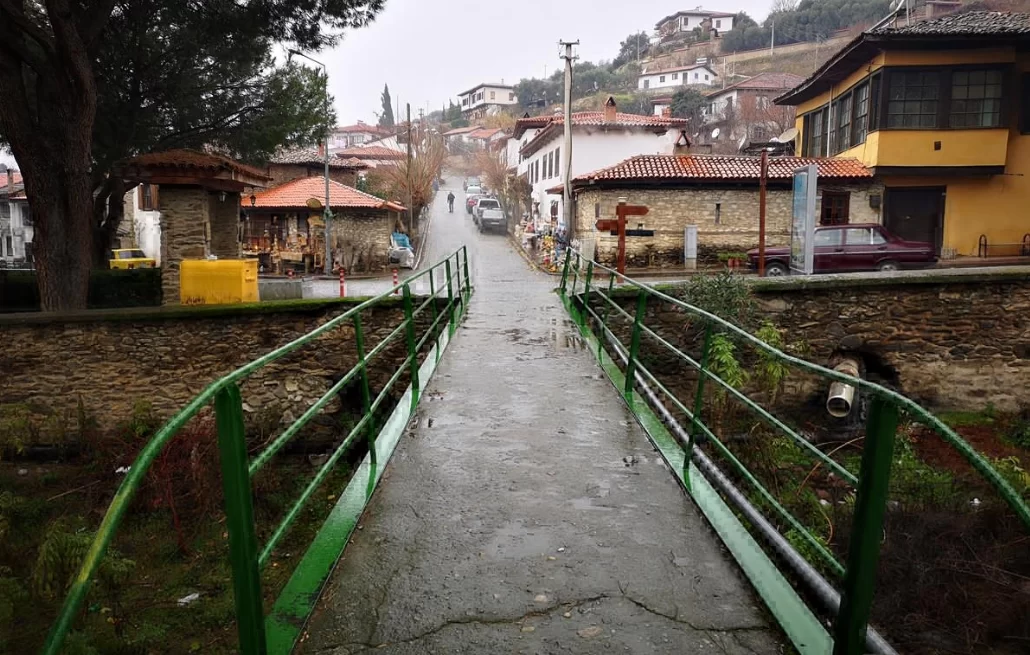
327	214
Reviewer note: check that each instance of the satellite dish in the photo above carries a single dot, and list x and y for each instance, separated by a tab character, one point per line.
742	142
715	133
788	136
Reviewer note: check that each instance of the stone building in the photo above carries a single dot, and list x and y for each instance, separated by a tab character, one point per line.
199	205
284	227
289	165
717	193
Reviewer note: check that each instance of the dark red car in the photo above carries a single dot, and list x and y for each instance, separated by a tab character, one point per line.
844	248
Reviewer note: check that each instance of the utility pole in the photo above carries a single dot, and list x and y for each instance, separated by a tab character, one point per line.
761	211
411	212
567	147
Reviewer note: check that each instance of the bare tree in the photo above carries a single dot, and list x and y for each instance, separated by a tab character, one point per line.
756	115
783	6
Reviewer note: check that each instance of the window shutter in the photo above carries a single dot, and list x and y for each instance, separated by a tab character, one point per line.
154	203
139	196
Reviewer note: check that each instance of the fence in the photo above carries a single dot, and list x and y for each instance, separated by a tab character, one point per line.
753	468
447	279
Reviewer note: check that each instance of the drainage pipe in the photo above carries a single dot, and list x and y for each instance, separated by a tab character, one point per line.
841	395
823	591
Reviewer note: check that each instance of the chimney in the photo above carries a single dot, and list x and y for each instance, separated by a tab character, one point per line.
610	110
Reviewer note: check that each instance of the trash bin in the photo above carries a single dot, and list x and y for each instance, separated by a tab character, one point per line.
218	282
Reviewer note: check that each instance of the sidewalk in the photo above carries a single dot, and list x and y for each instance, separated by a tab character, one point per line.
526	511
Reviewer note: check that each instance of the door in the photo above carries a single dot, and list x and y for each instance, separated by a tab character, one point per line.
828	247
916	214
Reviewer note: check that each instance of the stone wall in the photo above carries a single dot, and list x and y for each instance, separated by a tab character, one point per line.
110	361
954	339
283	173
363	239
727	219
224	216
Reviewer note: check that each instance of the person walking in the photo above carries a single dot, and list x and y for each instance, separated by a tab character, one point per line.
450	201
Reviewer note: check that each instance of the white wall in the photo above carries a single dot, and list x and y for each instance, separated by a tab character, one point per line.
688	23
19	228
717	106
501	97
665	79
591	152
145	225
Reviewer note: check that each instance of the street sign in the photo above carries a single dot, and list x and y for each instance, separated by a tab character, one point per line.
607	225
617	226
802	229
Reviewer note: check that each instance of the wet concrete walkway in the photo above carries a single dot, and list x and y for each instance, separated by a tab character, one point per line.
526	512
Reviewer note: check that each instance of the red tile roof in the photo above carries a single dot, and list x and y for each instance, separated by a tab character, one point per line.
719	168
313	157
484	132
461	130
296	194
193	159
371	152
596	119
362	128
530	123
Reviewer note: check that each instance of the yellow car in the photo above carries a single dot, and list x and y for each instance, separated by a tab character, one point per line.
130	258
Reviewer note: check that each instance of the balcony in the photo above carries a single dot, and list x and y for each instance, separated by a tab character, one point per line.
974	149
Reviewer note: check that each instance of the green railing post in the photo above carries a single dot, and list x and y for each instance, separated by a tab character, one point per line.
565	270
239	520
849	630
699	397
468	278
604	317
634	344
450	296
366	400
432	293
575	276
409	330
586	291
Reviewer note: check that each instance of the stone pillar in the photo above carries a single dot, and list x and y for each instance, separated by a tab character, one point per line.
224	216
184	233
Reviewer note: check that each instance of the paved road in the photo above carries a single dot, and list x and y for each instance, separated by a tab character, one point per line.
526	511
437	247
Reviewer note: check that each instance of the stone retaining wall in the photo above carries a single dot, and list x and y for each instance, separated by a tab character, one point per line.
111	361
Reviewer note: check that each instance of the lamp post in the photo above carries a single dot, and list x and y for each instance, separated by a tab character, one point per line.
327	212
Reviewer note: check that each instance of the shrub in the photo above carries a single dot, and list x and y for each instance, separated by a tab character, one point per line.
108	289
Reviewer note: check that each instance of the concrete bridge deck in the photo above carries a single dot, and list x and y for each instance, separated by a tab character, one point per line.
526	511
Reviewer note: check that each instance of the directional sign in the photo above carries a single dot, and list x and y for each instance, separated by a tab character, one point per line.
617	227
607	225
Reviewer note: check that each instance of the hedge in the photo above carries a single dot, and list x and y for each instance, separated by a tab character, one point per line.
108	289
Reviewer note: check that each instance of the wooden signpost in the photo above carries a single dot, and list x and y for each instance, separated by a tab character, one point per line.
618	226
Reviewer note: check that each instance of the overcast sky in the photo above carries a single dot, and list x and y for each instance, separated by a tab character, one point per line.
428	51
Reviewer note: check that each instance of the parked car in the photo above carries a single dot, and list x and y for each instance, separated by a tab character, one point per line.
492	218
485	202
470	201
845	248
130	258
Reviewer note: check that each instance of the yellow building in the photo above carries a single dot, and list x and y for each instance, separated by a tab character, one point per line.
940	111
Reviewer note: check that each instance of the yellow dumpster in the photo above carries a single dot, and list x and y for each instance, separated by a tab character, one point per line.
218	281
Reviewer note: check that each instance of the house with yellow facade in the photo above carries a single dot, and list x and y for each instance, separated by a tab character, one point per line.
939	110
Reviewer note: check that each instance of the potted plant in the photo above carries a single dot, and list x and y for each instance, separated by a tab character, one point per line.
734	260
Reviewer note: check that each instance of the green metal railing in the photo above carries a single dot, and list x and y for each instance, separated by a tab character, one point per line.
447	279
594	306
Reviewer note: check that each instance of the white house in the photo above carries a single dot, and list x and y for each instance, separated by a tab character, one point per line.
141	221
16	229
686	21
476	101
599	139
699	73
349	136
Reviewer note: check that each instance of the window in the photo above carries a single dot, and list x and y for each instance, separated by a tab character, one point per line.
10	245
647	84
557	160
815	133
147	197
828	238
842	114
861	115
912	98
874	103
511	97
597	210
857	236
695	75
878	239
675	76
493	94
975	98
718	213
718	24
550	165
5	210
835	209
26	216
706	77
661	78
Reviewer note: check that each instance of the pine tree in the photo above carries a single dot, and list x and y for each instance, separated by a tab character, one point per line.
386	118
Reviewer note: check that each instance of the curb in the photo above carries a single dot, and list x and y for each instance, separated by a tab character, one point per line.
536	267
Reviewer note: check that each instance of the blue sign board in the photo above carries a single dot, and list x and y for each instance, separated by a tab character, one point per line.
802	229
